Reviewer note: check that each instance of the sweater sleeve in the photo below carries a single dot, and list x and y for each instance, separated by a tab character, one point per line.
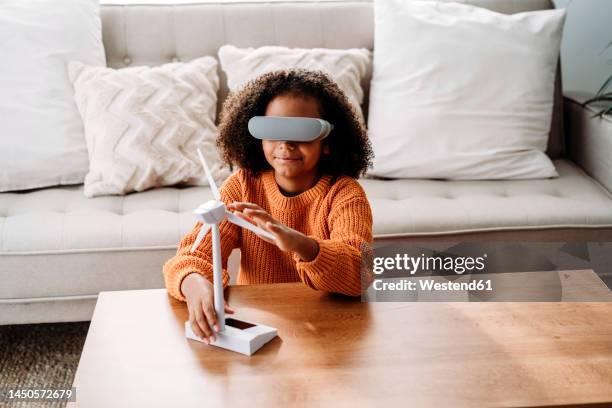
338	264
200	261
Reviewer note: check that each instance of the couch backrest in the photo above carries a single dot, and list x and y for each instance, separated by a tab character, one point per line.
158	34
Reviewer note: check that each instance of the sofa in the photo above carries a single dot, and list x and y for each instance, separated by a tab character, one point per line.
59	249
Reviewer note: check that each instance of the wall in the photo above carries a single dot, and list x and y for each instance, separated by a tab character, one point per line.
585	62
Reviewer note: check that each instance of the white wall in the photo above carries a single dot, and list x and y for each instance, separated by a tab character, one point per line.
588	30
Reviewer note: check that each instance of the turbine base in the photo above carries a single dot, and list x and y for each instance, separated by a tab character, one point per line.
239	336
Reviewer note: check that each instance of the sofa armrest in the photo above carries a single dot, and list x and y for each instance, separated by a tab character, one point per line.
589	140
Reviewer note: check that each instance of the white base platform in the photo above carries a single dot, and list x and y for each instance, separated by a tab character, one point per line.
246	340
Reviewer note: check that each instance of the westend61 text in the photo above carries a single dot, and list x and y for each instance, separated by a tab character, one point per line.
430	284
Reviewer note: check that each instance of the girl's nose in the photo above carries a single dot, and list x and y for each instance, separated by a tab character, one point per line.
287	144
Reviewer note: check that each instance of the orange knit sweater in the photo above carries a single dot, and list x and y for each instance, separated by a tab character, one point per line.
337	216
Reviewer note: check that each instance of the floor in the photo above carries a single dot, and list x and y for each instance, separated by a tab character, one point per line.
40	355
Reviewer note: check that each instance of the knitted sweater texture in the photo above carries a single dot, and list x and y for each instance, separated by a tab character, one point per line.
338	216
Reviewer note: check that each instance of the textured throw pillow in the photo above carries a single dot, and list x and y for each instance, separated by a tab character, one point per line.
144	124
462	92
41	134
347	67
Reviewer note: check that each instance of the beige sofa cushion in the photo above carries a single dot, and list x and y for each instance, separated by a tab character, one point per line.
435	207
41	134
441	108
143	124
346	67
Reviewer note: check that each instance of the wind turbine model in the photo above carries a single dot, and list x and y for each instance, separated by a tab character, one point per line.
235	335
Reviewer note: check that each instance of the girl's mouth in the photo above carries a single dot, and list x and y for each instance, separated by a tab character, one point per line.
288	159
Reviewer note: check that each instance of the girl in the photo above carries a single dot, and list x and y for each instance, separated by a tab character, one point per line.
304	193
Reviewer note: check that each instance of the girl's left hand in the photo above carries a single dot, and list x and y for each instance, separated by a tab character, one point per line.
287	239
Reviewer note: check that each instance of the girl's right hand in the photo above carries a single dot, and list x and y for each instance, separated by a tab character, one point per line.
198	293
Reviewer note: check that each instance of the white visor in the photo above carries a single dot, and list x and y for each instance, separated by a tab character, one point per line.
295	129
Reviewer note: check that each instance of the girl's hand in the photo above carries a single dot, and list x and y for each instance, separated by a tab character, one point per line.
198	293
287	239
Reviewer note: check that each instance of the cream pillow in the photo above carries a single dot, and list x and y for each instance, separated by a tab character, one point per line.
462	92
144	124
41	134
347	67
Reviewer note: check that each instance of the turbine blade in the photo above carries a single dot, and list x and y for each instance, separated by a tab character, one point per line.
245	224
200	238
209	176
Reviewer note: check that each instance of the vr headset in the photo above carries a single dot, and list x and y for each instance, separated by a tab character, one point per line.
294	129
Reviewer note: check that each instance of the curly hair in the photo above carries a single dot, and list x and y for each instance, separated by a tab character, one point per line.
350	150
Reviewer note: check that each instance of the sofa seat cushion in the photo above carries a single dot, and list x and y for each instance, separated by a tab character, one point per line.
56	242
436	207
61	219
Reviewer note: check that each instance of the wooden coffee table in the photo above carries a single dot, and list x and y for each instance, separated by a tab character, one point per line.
334	351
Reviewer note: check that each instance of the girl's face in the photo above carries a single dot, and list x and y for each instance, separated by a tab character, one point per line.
294	160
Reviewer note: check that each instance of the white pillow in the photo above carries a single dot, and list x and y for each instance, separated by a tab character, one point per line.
462	92
144	124
347	67
41	137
